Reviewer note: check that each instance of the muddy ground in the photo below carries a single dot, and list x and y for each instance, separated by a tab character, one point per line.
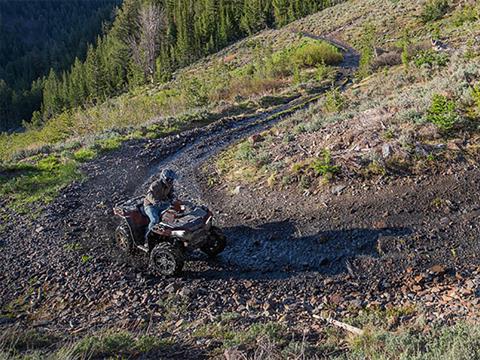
401	242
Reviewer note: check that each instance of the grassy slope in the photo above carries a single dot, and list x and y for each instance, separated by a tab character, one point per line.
399	120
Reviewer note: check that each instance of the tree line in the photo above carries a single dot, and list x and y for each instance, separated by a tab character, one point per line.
39	35
150	39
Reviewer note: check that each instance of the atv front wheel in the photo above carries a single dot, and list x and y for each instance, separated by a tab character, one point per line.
124	239
166	260
216	243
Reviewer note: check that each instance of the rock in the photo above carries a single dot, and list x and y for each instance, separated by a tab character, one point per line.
337	190
386	151
172	288
185	292
236	191
438	269
257	138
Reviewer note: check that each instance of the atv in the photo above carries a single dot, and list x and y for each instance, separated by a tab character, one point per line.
183	227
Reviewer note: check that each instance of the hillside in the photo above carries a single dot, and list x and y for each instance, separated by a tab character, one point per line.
340	156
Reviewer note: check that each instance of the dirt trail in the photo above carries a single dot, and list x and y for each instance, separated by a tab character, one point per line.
59	269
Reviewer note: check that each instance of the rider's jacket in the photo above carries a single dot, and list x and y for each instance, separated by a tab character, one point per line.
158	192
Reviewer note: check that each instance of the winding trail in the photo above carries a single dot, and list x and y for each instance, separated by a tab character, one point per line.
61	270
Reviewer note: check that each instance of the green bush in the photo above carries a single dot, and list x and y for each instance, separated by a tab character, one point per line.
323	165
245	152
109	144
443	113
434	10
366	47
311	54
467	14
459	342
334	101
84	155
431	58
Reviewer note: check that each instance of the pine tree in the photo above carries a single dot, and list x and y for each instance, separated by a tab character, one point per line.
253	18
280	10
95	79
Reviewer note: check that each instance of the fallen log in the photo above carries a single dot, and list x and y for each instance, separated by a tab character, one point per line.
342	325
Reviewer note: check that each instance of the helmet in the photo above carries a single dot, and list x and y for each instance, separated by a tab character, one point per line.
168	175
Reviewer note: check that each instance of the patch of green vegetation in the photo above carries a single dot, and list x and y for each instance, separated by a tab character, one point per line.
431	58
323	166
434	10
117	344
334	101
84	155
41	182
21	341
366	47
443	113
458	342
232	336
311	53
466	14
73	247
109	144
85	259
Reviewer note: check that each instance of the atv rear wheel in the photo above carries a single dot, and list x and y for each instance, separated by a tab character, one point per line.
216	243
166	260
124	239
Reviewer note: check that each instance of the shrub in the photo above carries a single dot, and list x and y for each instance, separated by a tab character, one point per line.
443	113
323	72
431	58
334	101
84	155
109	144
323	165
434	10
467	14
367	50
476	96
312	54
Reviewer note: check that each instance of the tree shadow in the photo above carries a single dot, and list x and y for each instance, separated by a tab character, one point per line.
280	250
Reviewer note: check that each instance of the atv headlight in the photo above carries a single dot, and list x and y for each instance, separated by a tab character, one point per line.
182	234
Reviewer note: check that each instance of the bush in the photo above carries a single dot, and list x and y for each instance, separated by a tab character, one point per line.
84	155
315	53
443	113
334	101
109	144
459	342
431	58
467	14
367	50
323	166
434	10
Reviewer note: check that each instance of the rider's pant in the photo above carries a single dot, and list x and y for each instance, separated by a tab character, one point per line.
153	212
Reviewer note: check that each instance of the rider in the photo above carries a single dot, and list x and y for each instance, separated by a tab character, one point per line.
159	197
